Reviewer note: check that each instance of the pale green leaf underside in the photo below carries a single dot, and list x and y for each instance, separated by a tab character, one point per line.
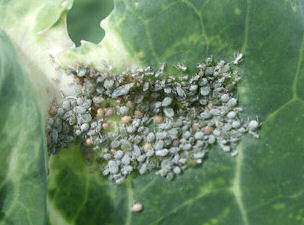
23	148
264	184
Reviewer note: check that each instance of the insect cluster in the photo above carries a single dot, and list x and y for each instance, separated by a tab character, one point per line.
143	120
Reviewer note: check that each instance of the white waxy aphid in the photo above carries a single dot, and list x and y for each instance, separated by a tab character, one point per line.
159	145
187	146
162	152
236	124
123	110
238	58
234	153
205	90
137	207
226	148
225	98
199	135
232	102
84	127
177	170
122	90
120	180
141	158
151	137
161	135
143	169
108	84
126	159
199	155
113	167
231	115
181	67
118	155
211	139
167	101
253	125
169	112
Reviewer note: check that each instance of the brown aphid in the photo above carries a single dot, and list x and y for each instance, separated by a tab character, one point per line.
138	114
130	104
208	129
195	126
118	101
53	110
109	112
88	155
175	142
105	126
88	141
100	113
137	207
78	80
158	119
113	150
147	146
126	119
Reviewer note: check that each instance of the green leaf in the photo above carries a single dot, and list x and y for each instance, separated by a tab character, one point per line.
264	183
84	18
23	147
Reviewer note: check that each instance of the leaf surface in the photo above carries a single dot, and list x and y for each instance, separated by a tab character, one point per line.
23	185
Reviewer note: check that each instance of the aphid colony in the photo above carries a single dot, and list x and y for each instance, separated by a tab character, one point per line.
142	120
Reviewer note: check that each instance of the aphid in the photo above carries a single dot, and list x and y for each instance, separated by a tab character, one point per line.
199	135
190	114
195	126
181	67
130	104
137	207
105	126
238	58
234	153
53	110
118	101
113	151
126	119
167	101
88	142
162	67
109	112
253	125
100	113
138	114
158	119
162	152
175	142
208	129
169	112
147	146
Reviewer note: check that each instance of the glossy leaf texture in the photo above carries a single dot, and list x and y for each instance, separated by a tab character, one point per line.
23	185
264	183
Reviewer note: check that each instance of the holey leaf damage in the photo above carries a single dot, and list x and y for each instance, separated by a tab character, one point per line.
262	185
